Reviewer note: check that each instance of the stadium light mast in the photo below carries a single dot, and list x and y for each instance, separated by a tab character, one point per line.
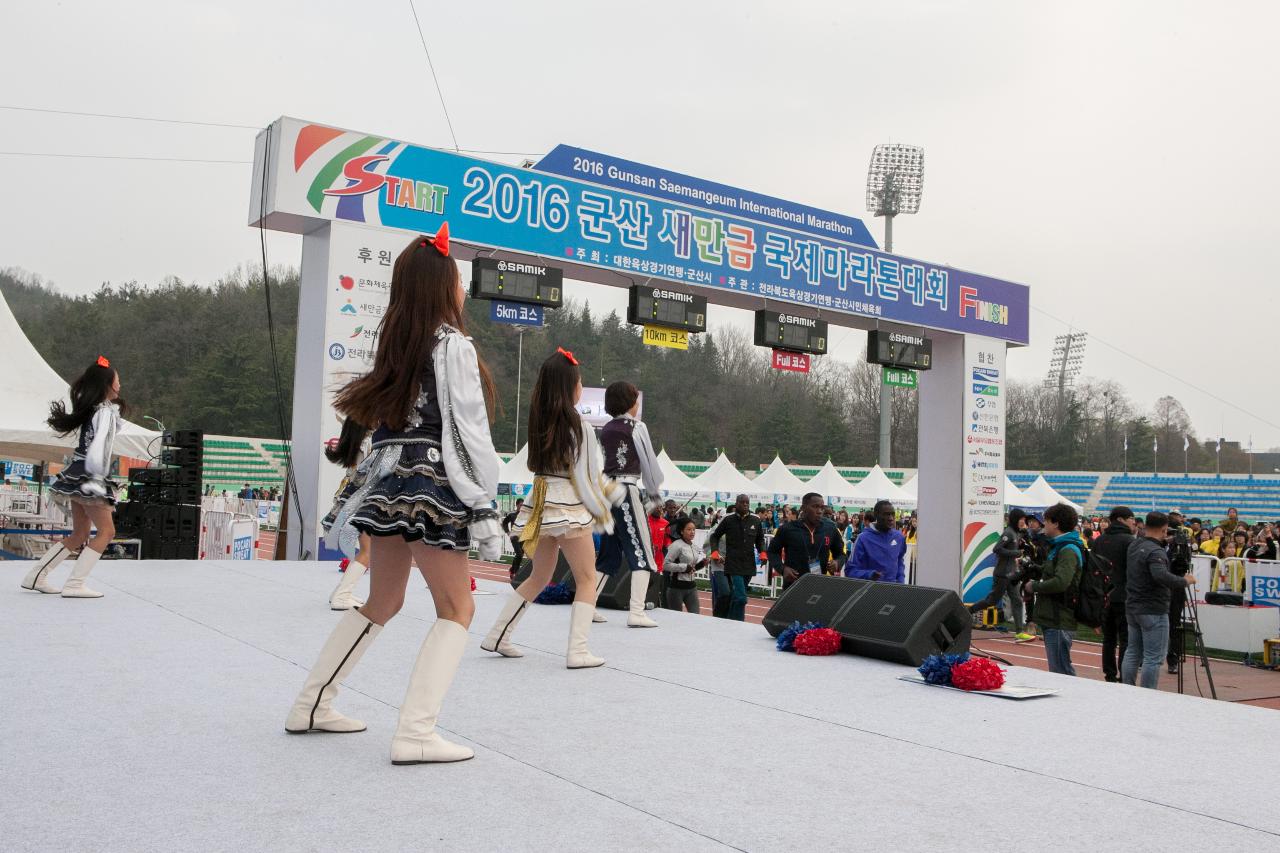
1065	366
895	180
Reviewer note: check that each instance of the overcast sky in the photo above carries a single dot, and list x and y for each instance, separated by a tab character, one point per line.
1117	157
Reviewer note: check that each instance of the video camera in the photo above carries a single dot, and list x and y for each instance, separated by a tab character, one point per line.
1178	546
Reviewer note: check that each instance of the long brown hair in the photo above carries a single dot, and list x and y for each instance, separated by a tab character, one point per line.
93	387
554	423
423	295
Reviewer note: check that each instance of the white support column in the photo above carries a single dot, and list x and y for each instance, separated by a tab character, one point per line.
962	445
308	378
345	284
941	464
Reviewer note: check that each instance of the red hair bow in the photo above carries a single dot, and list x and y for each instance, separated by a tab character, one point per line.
564	352
102	361
440	241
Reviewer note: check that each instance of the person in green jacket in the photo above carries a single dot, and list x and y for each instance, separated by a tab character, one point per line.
1057	586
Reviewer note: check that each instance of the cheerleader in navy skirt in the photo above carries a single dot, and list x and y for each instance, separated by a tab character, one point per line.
571	499
354	565
630	462
84	485
424	495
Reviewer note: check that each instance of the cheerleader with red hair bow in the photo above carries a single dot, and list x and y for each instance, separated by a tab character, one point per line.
571	499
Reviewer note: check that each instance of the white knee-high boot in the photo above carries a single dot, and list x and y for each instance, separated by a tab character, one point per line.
579	656
312	711
38	578
74	587
499	637
343	597
601	579
416	740
639	591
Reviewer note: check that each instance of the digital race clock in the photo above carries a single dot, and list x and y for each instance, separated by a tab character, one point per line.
656	306
512	281
899	349
791	333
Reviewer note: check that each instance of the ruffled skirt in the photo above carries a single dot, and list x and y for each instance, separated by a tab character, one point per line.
560	513
628	547
67	487
402	490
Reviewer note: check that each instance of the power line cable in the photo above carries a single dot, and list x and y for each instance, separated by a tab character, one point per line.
1160	370
128	117
236	126
432	66
123	157
290	481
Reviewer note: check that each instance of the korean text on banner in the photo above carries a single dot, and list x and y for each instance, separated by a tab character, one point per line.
319	174
982	488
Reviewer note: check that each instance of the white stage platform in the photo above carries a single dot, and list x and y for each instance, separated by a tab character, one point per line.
152	720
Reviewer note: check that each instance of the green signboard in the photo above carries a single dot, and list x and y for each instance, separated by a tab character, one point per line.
899	377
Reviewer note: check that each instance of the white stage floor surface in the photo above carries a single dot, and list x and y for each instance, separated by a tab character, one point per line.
152	720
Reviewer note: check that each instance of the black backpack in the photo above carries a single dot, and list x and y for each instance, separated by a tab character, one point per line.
1093	589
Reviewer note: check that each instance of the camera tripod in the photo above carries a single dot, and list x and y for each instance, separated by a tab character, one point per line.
1191	625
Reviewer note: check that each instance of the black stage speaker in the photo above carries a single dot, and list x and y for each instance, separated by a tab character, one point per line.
889	621
562	574
182	438
616	594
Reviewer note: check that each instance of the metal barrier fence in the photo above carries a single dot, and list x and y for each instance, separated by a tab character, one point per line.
227	536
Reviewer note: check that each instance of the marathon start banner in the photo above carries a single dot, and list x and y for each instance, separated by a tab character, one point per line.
306	174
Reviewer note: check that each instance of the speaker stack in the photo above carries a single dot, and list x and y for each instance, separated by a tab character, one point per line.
889	621
163	509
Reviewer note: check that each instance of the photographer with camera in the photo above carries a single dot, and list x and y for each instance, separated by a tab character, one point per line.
1178	546
1149	582
1110	552
1006	575
1057	585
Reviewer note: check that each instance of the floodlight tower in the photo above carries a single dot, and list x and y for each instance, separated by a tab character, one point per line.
895	180
1064	367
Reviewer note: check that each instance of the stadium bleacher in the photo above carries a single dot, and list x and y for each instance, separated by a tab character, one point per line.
231	461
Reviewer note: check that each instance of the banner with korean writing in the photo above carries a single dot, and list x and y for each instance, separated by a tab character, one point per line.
982	488
797	362
313	173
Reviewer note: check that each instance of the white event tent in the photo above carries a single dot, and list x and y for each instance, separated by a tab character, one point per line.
1040	495
723	477
828	483
30	385
675	483
516	471
1012	494
877	486
777	480
911	489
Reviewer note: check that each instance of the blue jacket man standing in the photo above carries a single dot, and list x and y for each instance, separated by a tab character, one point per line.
880	551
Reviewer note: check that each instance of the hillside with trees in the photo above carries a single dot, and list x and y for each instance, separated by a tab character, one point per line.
199	356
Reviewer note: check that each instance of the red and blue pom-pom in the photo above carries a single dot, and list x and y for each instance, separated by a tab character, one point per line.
936	669
962	671
818	641
556	593
787	639
977	674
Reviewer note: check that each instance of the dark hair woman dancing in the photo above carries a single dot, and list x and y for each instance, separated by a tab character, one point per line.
423	493
571	497
84	485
